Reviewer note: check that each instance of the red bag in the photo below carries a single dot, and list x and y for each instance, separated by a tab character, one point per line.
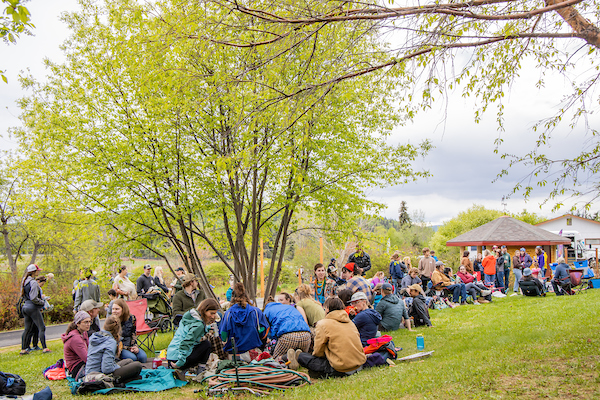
55	374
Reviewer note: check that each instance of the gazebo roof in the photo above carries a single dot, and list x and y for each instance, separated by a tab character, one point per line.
508	231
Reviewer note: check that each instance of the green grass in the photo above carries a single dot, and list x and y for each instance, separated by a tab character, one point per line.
517	347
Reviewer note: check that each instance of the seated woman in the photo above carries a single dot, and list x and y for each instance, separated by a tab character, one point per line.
392	310
244	322
189	346
562	278
128	328
418	309
439	280
338	350
528	276
103	351
409	279
76	344
471	285
312	308
367	320
288	327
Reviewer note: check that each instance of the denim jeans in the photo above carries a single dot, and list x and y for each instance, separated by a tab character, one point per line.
140	356
490	278
506	279
499	278
458	290
396	283
518	275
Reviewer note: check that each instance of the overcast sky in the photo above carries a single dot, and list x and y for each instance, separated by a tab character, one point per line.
463	163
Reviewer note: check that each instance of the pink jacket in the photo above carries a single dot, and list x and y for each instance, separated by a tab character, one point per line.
466	278
76	348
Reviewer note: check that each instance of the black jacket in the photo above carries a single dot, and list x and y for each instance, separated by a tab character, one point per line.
144	283
419	311
362	260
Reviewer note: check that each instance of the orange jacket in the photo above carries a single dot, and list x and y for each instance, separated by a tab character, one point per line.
489	265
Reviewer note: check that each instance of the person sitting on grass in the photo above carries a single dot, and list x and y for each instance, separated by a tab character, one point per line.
93	308
288	328
418	309
345	296
367	320
528	276
103	351
76	343
128	332
307	305
561	278
377	294
189	346
392	310
440	280
338	350
409	279
471	285
322	286
112	295
357	283
244	322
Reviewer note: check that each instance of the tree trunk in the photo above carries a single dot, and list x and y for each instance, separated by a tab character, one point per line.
34	253
12	262
578	23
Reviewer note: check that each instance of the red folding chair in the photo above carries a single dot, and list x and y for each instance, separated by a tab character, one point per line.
144	333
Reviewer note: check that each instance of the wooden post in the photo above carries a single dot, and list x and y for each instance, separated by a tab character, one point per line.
321	245
262	268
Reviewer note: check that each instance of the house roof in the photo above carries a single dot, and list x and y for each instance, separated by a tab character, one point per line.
508	231
569	216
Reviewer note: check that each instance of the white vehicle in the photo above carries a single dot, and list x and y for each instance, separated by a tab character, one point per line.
577	250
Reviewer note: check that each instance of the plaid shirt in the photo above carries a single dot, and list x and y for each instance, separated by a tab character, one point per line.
360	284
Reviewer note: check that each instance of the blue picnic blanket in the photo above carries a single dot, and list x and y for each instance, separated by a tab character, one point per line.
153	380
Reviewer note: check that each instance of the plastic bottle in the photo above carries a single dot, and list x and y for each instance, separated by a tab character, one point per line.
420	342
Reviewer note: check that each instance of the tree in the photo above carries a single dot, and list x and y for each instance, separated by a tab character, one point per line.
15	22
403	216
478	47
158	132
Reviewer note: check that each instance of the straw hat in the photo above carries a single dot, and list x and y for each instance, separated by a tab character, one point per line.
416	287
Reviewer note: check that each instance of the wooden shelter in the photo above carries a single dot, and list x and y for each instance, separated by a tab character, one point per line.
514	234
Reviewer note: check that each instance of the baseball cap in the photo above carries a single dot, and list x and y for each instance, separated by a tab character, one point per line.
331	268
179	269
33	267
147	266
358	296
522	249
386	286
90	304
503	246
438	263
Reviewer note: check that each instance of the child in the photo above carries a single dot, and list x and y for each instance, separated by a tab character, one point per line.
535	269
112	295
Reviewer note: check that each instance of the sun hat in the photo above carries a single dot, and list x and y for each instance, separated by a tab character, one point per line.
358	296
90	304
187	278
526	272
416	287
80	316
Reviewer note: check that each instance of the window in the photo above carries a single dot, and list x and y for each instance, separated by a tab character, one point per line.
569	221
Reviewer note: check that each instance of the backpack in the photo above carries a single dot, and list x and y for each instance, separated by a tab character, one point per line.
20	305
11	384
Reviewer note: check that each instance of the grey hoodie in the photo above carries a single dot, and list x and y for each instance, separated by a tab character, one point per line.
101	353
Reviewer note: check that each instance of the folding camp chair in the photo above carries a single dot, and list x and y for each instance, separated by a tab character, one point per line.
144	333
577	282
530	288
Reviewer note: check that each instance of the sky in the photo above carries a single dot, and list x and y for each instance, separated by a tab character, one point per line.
463	164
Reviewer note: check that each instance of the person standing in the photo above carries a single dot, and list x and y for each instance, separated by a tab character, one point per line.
145	282
507	266
87	289
500	270
517	270
32	310
541	260
361	259
466	261
489	267
426	267
397	269
123	286
525	258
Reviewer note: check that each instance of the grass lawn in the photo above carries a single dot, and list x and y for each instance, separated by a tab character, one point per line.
517	347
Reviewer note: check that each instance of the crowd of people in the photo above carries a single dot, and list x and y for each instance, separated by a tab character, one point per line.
325	326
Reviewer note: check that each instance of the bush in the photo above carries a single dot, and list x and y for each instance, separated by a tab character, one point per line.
9	296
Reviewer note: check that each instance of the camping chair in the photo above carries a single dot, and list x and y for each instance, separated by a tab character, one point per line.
529	288
144	333
577	282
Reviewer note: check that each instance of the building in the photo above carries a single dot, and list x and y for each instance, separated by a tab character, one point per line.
514	234
584	234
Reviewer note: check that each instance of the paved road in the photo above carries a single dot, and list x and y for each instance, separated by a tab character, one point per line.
13	338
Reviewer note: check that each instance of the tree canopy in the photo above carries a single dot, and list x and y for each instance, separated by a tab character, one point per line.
14	20
176	140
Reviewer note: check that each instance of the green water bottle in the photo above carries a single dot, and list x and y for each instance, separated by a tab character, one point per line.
420	342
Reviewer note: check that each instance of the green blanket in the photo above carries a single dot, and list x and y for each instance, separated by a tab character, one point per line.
153	380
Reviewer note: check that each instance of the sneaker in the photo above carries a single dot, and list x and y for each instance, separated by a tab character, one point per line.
485	293
514	294
36	348
390	362
292	359
476	303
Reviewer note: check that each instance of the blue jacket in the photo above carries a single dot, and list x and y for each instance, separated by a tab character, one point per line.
561	272
367	323
284	319
247	325
101	353
397	269
191	330
229	294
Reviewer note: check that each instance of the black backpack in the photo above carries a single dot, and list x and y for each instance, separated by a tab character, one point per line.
11	384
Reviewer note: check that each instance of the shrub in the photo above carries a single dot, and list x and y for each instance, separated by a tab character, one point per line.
9	296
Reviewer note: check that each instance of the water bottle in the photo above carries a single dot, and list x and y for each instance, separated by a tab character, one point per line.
420	342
